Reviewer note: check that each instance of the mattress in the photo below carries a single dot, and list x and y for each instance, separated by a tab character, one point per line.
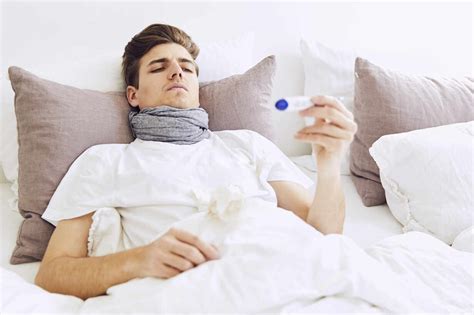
365	225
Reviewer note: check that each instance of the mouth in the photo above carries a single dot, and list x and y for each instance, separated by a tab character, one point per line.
177	87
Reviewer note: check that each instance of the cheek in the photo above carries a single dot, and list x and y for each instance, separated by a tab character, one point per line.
195	86
150	88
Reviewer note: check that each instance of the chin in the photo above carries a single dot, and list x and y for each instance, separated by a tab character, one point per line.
183	105
178	105
178	101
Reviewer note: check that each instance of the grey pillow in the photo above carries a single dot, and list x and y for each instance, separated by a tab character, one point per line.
388	102
56	123
239	101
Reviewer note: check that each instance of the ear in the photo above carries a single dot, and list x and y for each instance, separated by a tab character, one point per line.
132	95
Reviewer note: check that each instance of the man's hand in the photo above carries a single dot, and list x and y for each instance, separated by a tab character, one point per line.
174	252
331	133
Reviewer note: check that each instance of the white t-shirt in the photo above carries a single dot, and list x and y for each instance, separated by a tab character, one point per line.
153	184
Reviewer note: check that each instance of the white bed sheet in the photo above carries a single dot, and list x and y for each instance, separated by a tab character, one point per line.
365	225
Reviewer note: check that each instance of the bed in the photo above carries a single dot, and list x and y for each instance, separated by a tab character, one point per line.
383	230
408	236
382	223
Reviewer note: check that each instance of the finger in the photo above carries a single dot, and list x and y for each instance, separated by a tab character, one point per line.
327	142
331	114
187	251
169	271
177	262
332	102
328	130
205	248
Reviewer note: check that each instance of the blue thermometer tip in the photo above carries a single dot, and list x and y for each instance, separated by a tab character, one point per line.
281	104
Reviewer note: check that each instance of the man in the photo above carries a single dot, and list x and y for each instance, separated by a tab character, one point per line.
162	81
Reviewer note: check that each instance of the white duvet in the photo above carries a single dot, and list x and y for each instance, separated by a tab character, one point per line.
274	262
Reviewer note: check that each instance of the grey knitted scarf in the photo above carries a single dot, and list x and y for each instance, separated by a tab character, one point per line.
170	124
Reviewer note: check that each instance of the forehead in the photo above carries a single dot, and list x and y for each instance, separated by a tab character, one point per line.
170	51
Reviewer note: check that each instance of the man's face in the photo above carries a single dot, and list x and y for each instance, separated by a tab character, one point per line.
167	76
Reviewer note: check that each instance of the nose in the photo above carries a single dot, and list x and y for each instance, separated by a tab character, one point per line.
175	71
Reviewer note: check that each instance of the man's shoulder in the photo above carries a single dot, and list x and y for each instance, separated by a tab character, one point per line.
105	148
238	133
104	151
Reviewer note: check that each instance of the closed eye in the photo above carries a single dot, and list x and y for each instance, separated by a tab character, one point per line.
161	69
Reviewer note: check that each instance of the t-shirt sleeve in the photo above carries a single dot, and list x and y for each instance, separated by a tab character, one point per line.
86	187
279	166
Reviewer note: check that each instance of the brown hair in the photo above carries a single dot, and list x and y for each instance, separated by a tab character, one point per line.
155	34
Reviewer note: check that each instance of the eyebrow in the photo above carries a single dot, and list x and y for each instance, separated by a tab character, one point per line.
165	60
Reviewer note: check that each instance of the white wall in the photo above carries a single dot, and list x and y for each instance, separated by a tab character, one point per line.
423	38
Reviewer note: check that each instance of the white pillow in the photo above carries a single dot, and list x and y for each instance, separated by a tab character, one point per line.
330	72
216	60
465	240
427	175
221	59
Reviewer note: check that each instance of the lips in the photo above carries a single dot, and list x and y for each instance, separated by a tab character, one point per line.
176	86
